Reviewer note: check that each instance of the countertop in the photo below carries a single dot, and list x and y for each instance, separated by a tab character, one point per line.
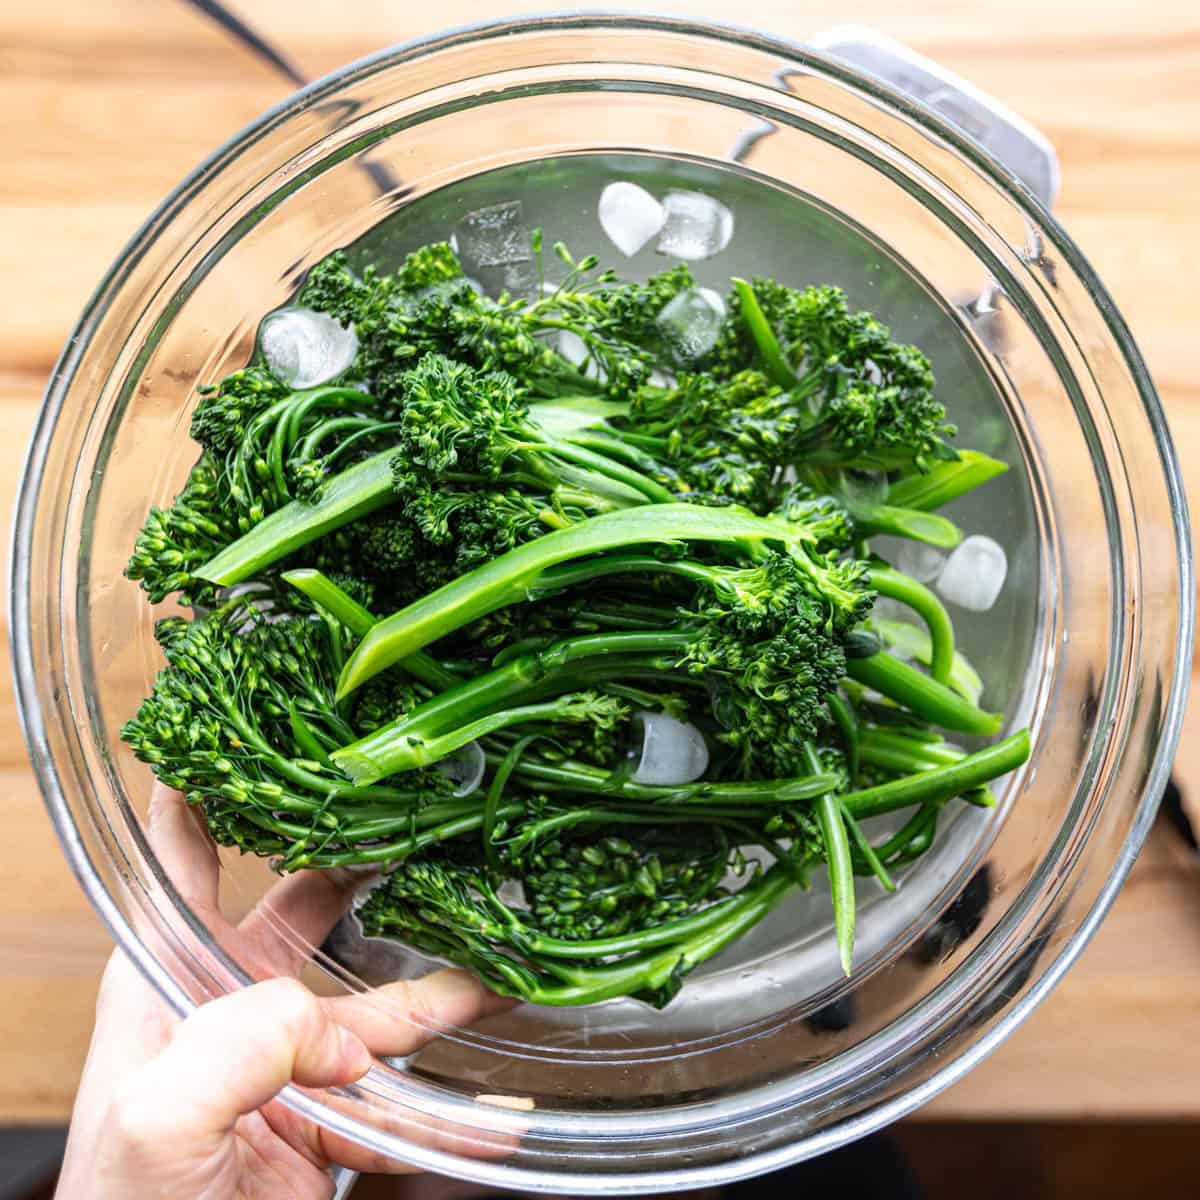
106	104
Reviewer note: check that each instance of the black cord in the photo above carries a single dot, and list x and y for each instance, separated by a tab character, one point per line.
253	41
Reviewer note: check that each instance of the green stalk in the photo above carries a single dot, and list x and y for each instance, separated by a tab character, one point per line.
898	586
306	739
832	824
763	335
925	697
841	875
583	777
945	481
847	726
604	442
914	830
895	752
940	783
573	574
510	578
567	665
904	755
602	464
403	847
911	641
567	414
362	489
495	795
864	847
648	973
889	519
659	815
665	934
409	752
373	824
322	591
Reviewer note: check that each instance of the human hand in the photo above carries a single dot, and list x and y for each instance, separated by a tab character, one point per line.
187	1110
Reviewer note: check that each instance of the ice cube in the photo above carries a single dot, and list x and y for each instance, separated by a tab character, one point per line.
517	281
924	563
493	237
629	215
673	752
305	348
696	226
574	349
974	573
691	322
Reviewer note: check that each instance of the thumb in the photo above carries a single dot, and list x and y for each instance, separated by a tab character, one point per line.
232	1056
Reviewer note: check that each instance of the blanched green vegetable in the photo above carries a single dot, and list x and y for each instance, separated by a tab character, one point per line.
468	545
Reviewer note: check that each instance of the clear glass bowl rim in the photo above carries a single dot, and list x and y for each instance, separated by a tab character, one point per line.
32	718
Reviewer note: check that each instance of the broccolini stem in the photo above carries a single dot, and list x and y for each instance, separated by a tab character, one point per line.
895	752
863	847
610	445
353	493
496	793
376	823
945	481
911	523
407	751
529	677
912	641
913	830
898	586
921	838
660	935
510	578
403	847
904	755
832	824
604	465
769	893
841	875
287	429
650	972
582	777
576	574
535	675
322	591
925	697
306	739
763	335
659	815
847	726
940	783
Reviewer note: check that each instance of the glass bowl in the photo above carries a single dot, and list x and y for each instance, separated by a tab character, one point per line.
768	1056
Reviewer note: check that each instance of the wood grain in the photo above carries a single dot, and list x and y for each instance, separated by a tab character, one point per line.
106	104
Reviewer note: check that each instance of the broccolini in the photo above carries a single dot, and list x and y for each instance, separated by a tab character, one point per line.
468	544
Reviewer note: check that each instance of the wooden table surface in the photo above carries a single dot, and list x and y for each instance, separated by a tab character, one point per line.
105	104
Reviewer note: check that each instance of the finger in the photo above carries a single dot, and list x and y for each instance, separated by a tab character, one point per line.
183	848
294	917
497	1135
291	1166
402	1016
231	1057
